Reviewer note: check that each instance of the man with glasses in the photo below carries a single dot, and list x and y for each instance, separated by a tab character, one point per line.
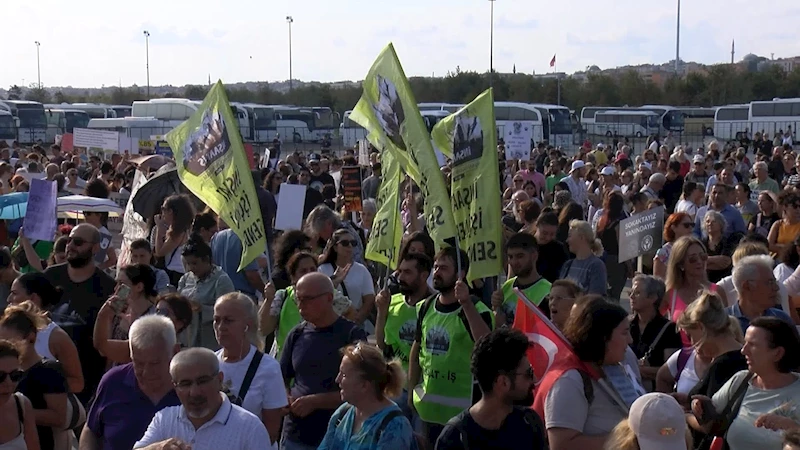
206	419
131	394
758	291
311	357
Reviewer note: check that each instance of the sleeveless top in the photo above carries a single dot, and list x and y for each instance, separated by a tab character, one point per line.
18	443
42	344
787	232
675	306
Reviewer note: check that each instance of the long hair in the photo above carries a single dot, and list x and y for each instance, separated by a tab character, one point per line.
572	211
330	255
673	220
289	243
182	214
613	210
676	277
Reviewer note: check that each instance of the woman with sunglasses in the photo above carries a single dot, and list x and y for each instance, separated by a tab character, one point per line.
678	225
349	276
17	425
783	232
179	310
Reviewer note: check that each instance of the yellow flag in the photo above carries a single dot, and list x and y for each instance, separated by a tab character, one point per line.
389	112
387	229
470	137
213	165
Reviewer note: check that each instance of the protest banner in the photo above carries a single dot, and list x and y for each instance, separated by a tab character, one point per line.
389	112
470	137
518	138
95	141
386	234
212	164
291	203
363	152
134	226
351	188
640	233
41	217
66	142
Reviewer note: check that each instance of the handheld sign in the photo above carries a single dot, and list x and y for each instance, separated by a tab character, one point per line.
291	202
351	187
641	233
40	219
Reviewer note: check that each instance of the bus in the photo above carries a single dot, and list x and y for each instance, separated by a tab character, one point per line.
775	116
261	120
174	111
60	121
94	110
31	120
449	107
698	121
731	122
134	127
507	114
326	121
350	131
121	110
296	122
625	123
671	118
8	127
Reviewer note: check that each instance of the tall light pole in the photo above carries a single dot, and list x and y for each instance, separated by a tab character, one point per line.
147	60
491	41
290	20
678	41
38	65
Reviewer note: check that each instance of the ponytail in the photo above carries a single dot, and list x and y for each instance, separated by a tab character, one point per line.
597	247
395	379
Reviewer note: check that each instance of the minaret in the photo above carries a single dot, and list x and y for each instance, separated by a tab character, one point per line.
209	79
733	49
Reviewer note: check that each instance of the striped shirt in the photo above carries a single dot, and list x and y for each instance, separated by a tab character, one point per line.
232	427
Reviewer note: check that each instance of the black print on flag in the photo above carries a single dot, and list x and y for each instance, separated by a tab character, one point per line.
389	111
208	143
467	140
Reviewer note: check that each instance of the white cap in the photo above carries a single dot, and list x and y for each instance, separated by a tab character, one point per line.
608	171
658	422
698	159
647	165
601	146
577	165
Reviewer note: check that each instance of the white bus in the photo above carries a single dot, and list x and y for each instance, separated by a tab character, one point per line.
297	122
174	111
31	120
261	120
671	118
625	123
60	121
776	116
449	107
506	114
122	110
8	127
350	131
134	127
732	122
94	110
326	121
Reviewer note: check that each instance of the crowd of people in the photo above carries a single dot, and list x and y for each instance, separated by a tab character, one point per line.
170	345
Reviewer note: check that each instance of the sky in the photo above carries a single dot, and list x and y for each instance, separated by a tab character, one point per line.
92	43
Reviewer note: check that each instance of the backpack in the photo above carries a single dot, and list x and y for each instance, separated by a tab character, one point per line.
376	437
530	417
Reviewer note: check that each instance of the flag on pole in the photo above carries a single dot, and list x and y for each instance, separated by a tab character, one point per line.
553	61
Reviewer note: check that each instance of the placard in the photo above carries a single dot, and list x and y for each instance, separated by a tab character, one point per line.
40	219
351	188
291	203
517	137
363	152
641	233
100	139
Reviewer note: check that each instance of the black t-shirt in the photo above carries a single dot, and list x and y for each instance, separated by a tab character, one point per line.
77	313
552	256
726	247
313	199
319	181
643	339
43	378
522	429
719	372
510	222
671	193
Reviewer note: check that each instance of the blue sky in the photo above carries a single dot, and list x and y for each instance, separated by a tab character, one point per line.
89	43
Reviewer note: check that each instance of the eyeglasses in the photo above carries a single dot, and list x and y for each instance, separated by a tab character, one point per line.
185	385
518	180
78	241
527	373
310	297
15	376
348	243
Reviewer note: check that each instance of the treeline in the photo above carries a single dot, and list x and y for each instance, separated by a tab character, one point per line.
722	84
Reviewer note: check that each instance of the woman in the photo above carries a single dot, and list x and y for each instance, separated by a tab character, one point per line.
720	248
272	183
762	222
790	259
236	331
678	225
518	185
578	408
529	211
691	199
287	245
532	191
179	310
560	301
350	276
51	341
654	336
768	403
135	297
368	419
608	232
572	211
17	423
783	232
203	284
586	269
205	225
44	384
747	208
658	421
170	234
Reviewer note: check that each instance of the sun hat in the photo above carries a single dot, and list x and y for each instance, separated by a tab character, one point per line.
658	422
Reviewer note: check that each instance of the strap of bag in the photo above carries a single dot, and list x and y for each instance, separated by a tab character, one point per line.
340	416
391	415
251	373
655	341
734	403
20	411
683	359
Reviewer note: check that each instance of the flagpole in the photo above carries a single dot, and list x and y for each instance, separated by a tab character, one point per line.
558	81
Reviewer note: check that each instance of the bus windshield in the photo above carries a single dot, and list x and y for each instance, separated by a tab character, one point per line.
651	121
560	121
32	117
673	120
323	118
76	120
263	118
7	129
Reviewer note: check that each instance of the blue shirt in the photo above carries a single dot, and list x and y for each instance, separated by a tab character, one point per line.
735	311
121	412
226	250
731	215
396	435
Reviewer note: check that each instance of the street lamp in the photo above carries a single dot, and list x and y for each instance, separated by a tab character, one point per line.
290	20
147	61
678	41
491	41
38	65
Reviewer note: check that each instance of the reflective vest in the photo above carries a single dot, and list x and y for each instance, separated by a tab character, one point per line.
400	328
535	293
289	317
444	360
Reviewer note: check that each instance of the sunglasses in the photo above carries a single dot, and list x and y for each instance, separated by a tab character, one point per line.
694	259
348	243
517	181
15	376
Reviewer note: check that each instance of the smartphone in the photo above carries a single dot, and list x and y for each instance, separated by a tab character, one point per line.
123	292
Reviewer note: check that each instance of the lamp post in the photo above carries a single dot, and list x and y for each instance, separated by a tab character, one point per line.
290	20
147	60
678	41
491	41
38	65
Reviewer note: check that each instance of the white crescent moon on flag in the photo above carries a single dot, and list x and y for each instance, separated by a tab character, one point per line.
549	346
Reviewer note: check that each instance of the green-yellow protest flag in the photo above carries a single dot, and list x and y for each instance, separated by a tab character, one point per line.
389	112
387	229
470	136
213	165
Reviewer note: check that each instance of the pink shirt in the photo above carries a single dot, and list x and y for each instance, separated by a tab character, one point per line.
675	306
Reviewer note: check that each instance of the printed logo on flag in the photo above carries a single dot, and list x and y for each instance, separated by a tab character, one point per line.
437	340
208	143
389	111
467	139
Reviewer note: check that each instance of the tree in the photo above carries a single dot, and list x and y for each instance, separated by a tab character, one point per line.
37	93
15	93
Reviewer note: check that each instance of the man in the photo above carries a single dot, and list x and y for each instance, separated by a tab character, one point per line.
513	222
712	180
130	395
654	186
323	222
226	249
55	149
576	184
673	186
51	170
719	202
85	288
440	384
397	314
758	291
7	275
500	365
311	358
369	188
600	157
557	254
556	174
142	253
206	419
522	253
763	182
319	178
266	204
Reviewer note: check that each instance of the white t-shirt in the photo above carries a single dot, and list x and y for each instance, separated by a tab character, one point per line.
267	390
358	283
687	207
689	378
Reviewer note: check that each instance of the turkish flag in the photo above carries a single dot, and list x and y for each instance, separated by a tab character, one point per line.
553	61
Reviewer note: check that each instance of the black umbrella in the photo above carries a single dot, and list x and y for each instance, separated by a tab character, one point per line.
150	196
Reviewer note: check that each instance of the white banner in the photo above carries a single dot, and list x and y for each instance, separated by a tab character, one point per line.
101	139
517	137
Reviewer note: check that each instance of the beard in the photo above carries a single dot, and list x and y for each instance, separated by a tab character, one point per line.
525	399
80	259
443	287
407	289
524	272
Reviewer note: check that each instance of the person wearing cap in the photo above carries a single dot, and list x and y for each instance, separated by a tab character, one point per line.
576	184
698	173
655	422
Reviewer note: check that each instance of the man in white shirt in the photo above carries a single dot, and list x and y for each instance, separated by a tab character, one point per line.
206	418
576	185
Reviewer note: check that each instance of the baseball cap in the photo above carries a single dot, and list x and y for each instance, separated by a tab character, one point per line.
600	146
621	155
647	165
577	165
608	171
698	159
658	422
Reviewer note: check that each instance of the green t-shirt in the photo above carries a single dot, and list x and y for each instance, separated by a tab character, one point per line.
43	250
552	181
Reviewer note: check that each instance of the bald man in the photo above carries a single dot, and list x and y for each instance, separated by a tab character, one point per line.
311	357
85	288
511	221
